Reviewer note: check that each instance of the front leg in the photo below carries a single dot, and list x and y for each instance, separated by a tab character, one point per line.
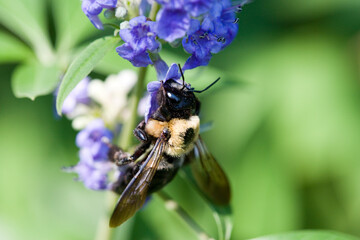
140	133
120	157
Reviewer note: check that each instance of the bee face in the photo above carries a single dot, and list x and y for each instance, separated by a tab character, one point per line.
179	98
175	101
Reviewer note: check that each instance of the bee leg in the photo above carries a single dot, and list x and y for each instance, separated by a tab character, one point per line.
140	133
140	150
118	156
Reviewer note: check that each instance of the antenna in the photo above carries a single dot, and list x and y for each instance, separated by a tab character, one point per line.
197	91
182	75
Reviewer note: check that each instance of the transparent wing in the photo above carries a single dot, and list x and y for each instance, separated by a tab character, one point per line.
208	175
135	193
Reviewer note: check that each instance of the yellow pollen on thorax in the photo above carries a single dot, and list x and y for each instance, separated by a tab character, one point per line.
177	128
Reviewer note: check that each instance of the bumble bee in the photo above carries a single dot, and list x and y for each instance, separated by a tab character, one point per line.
169	139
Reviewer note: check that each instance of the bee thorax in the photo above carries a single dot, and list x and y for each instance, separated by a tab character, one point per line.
183	133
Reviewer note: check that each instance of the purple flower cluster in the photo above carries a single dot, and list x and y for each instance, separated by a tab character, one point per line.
204	27
139	38
217	30
92	9
94	166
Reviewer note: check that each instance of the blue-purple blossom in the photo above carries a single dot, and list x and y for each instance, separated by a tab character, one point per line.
172	23
90	140
217	30
94	176
139	38
154	86
94	165
198	7
79	95
92	9
173	19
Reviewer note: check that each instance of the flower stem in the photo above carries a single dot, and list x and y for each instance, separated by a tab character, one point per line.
172	205
104	232
154	9
127	132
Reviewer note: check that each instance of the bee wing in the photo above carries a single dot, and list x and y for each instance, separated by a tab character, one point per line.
135	193
208	175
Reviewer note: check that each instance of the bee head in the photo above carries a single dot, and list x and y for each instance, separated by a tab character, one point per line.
177	101
173	99
179	97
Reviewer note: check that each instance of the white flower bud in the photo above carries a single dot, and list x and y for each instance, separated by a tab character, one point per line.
120	12
112	94
124	25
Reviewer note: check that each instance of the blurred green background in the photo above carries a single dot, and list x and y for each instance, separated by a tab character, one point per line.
285	119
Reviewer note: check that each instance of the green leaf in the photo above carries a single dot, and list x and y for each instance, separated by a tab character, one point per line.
309	235
72	25
26	18
83	65
112	63
13	50
34	79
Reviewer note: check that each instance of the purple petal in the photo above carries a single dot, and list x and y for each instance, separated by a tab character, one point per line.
152	105
173	72
95	20
194	26
138	59
107	3
136	21
189	45
91	7
193	62
126	35
198	7
161	68
172	24
82	139
153	86
86	156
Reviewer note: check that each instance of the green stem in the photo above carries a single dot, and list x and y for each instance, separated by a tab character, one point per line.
127	132
104	232
172	205
154	9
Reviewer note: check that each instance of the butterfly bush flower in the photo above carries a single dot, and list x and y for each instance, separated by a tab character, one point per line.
204	27
214	33
94	166
140	39
92	9
173	19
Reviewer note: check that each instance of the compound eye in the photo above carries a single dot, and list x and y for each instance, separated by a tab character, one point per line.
173	97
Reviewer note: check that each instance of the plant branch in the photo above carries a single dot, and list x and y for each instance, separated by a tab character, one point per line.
129	126
104	232
154	9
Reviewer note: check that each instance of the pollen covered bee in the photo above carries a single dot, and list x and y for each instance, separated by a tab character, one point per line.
169	139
